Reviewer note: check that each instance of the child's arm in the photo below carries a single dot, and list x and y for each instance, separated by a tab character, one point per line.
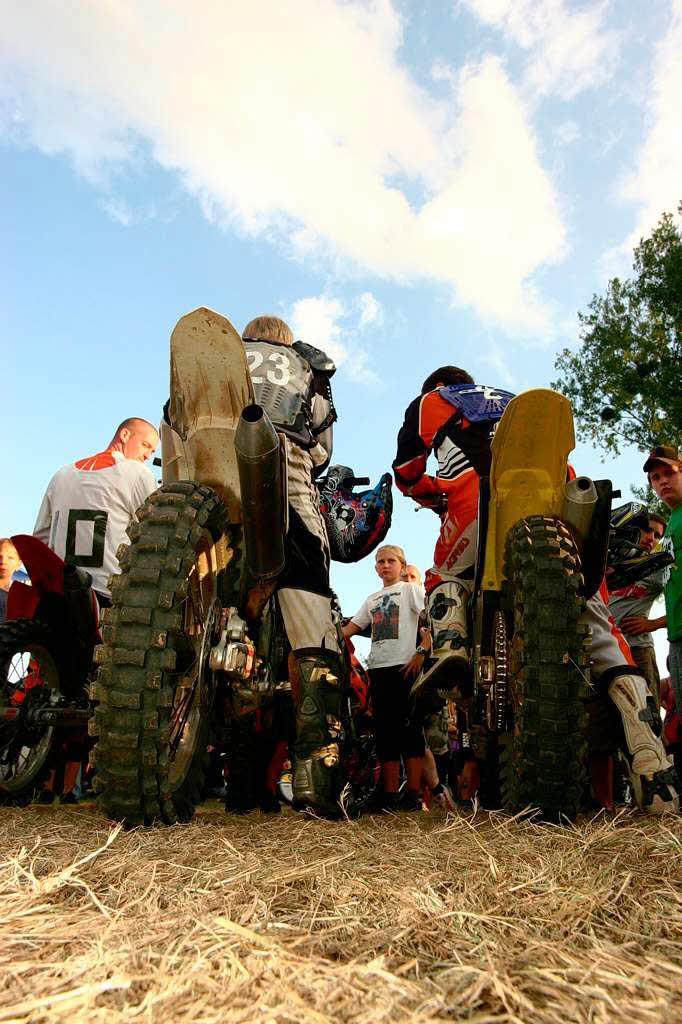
358	623
414	666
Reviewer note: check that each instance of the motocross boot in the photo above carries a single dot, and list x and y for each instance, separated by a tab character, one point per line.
317	780
653	779
446	667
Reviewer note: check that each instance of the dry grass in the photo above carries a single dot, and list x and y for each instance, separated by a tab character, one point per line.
404	918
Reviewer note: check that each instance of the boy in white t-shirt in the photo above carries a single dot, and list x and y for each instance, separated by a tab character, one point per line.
393	614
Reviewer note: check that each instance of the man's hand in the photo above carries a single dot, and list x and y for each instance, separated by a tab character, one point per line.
635	625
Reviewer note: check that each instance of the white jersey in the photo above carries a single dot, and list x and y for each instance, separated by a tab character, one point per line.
87	508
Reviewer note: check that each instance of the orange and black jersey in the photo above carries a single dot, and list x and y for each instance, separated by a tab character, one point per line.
457	424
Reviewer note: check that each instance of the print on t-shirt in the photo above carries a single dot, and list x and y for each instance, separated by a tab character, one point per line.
668	546
385	618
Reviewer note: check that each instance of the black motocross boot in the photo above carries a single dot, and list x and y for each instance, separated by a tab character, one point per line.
317	780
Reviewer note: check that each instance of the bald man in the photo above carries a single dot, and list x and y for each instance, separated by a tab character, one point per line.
89	504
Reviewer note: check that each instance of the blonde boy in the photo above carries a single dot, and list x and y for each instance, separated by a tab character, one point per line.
393	613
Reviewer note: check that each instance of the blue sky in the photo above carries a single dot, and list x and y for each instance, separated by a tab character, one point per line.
409	184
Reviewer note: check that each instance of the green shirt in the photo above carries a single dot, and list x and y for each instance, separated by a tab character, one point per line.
673	587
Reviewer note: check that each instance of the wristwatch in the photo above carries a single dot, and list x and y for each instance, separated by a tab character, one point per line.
421	650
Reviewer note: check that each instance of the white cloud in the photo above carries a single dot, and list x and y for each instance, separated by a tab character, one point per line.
371	311
302	143
570	50
655	184
118	210
615	262
316	321
504	376
480	240
566	133
324	321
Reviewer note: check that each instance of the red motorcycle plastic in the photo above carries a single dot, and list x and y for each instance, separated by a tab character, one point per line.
46	649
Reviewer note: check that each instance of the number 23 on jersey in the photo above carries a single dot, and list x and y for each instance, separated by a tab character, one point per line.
277	368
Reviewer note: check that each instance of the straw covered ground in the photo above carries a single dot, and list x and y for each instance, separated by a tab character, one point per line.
416	917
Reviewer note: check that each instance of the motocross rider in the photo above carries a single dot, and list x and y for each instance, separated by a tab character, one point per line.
455	419
291	382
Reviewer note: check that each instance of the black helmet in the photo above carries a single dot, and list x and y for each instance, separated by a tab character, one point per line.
627	561
626	522
356	523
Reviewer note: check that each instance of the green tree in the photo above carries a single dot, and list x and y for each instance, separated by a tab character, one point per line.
624	380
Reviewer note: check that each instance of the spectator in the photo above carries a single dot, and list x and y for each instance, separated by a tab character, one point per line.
393	613
89	504
664	472
411	574
631	604
9	563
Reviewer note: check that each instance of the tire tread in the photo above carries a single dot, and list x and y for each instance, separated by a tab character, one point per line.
144	635
543	760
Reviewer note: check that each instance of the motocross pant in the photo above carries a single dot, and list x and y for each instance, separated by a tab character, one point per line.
305	601
645	658
448	585
303	591
455	552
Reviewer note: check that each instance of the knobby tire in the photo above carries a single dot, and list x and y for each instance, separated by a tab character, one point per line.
543	761
148	768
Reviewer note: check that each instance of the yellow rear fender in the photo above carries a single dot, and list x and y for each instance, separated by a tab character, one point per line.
530	454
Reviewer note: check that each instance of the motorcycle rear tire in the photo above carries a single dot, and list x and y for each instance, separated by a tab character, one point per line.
152	721
27	753
543	759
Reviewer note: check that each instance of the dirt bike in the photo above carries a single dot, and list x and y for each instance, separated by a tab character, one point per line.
541	554
194	648
46	649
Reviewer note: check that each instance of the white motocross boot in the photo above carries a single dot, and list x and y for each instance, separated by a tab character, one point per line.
652	776
446	667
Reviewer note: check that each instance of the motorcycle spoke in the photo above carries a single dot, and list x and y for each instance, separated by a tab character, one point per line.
179	718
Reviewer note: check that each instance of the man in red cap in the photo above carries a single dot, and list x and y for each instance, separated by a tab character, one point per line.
664	472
